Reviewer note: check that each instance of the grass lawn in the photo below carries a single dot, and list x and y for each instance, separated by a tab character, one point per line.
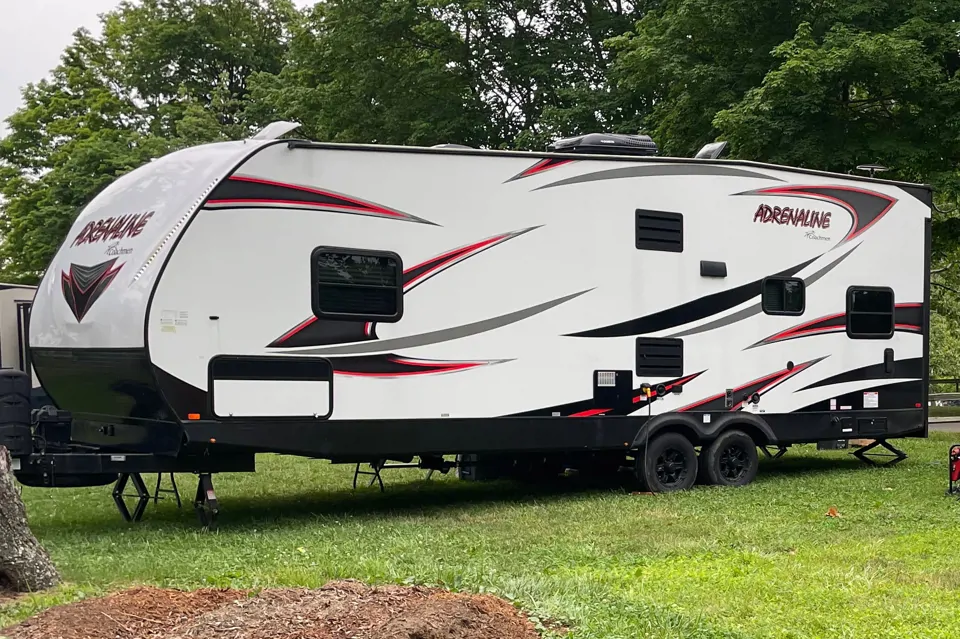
761	561
945	411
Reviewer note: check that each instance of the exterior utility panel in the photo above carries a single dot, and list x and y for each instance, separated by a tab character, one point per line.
325	299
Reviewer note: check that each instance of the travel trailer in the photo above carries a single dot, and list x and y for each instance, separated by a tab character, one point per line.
596	303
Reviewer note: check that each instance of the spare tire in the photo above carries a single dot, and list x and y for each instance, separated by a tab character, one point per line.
15	409
15	382
17	439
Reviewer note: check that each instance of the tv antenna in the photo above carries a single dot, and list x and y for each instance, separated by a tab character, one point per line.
872	168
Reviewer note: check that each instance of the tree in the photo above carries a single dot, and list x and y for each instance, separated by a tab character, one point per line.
493	73
24	564
689	59
854	97
384	71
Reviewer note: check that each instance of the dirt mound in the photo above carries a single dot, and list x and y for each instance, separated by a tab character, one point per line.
339	610
138	613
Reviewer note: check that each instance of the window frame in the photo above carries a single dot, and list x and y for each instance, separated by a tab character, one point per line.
848	312
356	317
784	278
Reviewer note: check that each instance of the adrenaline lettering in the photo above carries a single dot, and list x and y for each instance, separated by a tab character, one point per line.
790	215
113	228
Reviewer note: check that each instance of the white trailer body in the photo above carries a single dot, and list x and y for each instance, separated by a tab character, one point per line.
366	302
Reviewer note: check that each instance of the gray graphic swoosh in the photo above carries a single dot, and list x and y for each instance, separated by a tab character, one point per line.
757	308
660	170
443	335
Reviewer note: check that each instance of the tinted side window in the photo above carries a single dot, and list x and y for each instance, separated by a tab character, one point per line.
357	285
870	312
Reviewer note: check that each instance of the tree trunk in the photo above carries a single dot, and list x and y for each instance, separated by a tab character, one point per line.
24	564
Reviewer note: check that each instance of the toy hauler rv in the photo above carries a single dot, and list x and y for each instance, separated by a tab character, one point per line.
364	303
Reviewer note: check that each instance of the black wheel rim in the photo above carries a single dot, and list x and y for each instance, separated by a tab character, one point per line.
671	467
733	463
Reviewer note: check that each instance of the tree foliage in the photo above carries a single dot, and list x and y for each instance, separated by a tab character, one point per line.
164	74
815	83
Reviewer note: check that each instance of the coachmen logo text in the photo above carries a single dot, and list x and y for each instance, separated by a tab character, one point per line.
809	218
113	228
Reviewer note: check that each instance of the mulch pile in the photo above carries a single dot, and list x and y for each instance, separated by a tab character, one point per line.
339	610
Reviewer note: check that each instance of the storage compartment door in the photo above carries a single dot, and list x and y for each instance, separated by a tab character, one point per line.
243	386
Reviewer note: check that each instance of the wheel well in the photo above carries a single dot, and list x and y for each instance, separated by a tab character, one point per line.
682	429
757	435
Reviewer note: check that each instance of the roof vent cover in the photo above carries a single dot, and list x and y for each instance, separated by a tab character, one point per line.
608	143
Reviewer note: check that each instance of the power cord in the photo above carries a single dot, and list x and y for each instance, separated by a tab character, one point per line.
652	396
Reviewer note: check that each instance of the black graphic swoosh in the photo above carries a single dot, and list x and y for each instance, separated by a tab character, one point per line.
692	311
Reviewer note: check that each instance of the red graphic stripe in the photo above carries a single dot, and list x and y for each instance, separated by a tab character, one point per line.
800	327
447	258
668	387
316	205
809	328
544	165
427	368
781	378
296	329
353	204
639	398
766	382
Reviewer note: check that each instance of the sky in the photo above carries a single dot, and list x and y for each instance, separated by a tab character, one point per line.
33	33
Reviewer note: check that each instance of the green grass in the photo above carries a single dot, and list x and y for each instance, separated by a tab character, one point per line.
761	561
944	411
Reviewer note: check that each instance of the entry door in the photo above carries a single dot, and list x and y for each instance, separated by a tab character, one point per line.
23	334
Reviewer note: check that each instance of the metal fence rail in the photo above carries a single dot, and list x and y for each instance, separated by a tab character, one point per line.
955	382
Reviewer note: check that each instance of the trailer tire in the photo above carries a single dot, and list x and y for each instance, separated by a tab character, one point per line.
668	464
730	460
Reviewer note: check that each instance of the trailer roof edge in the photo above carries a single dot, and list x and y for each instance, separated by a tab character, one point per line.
393	148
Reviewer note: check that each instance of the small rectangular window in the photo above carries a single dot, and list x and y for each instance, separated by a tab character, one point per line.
783	296
356	284
870	312
659	231
659	356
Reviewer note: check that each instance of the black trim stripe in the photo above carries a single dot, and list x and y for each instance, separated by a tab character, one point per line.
910	368
241	191
234	367
692	311
896	396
